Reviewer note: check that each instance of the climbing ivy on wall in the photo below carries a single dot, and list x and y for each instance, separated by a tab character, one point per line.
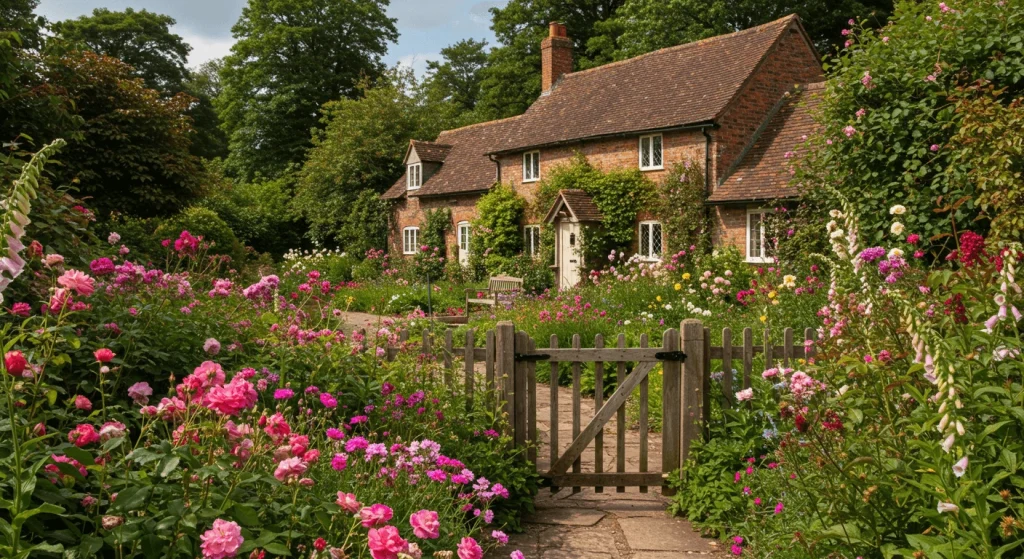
680	207
497	237
436	224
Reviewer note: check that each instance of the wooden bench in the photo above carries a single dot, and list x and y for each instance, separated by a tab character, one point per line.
497	285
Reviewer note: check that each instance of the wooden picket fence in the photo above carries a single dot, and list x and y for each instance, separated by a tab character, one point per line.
510	361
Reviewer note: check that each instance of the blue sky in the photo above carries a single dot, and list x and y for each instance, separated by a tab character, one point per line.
425	26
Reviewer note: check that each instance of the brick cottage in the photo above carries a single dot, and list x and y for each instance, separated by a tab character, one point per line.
739	103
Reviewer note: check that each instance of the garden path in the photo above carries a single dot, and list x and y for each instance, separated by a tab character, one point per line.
608	525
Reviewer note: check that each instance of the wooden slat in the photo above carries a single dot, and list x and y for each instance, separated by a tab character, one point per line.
489	363
522	345
469	363
769	355
671	411
787	348
449	376
809	336
748	356
798	351
631	479
580	442
553	430
727	367
598	400
366	343
644	420
504	342
592	355
576	396
403	336
706	385
692	399
531	413
620	418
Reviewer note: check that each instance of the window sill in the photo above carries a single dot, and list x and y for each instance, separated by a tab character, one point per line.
760	260
661	168
530	180
408	253
410	188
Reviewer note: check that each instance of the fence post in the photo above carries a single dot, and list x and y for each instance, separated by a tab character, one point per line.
692	386
519	393
671	436
504	365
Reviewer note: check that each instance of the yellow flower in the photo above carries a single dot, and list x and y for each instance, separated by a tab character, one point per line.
764	318
686	276
658	298
678	286
771	294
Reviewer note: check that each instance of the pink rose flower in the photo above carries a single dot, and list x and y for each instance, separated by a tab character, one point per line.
231	398
112	430
103	355
375	515
222	540
348	502
140	393
83	435
290	469
386	543
77	281
83	403
469	549
425	525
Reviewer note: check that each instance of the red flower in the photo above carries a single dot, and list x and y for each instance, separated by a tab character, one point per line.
801	423
15	363
972	248
320	544
103	355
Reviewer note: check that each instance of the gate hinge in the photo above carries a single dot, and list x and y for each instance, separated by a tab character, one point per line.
531	356
670	356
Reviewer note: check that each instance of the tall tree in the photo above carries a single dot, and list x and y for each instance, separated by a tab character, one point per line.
209	139
291	57
642	26
511	81
18	16
133	154
457	77
141	38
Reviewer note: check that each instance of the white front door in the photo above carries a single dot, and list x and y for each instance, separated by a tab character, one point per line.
568	254
464	243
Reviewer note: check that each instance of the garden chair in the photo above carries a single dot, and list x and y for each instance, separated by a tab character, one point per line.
496	286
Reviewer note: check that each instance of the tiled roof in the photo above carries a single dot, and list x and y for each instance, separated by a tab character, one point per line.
677	86
579	203
466	167
763	171
430	151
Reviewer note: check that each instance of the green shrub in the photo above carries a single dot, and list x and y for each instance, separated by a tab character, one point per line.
203	222
497	234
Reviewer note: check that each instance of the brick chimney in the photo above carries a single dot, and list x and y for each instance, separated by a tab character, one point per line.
555	56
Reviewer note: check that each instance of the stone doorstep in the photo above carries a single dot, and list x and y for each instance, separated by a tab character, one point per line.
565	516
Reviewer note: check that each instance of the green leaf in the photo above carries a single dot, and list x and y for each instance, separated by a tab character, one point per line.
131	498
245	515
168	465
277	549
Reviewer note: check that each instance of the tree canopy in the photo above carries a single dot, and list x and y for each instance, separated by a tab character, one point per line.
457	78
290	59
141	39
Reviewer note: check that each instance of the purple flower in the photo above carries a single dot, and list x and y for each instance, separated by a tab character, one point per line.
283	393
871	254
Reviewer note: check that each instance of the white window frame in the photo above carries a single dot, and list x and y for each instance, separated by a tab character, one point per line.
531	240
650	256
414	176
650	143
463	244
757	213
531	166
410	240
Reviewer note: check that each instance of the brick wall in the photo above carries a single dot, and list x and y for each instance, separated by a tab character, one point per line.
729	227
409	212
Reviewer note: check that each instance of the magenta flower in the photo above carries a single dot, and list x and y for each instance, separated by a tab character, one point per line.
425	525
221	541
375	515
469	549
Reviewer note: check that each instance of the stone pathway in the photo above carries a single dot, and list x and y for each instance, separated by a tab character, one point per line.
608	525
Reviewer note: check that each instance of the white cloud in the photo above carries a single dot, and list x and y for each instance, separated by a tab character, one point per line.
205	48
418	62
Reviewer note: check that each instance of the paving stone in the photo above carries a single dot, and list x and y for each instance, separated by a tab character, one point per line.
662	534
566	516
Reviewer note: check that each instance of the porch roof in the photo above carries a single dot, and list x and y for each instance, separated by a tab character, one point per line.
580	205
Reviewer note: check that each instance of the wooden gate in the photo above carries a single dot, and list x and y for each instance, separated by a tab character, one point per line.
511	358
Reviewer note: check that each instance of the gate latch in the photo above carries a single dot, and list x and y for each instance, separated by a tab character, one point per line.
531	356
670	356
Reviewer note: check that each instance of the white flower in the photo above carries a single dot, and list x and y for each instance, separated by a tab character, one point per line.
113	238
789	281
843	389
960	468
897	210
895	253
947	507
836	234
744	395
626	322
835	214
948	443
897	228
832	225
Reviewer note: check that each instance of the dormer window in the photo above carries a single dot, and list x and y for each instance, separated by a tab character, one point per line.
414	176
531	166
650	153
